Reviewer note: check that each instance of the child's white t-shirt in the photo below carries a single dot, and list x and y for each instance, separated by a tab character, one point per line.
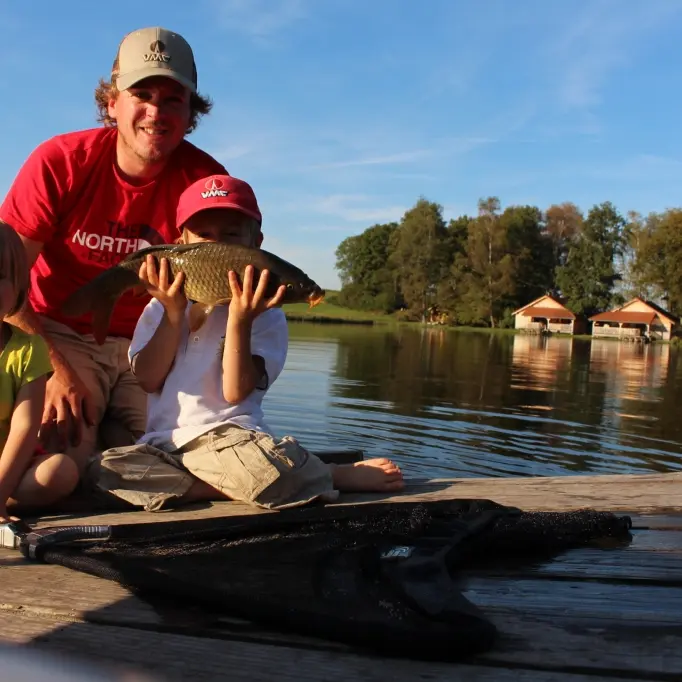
191	401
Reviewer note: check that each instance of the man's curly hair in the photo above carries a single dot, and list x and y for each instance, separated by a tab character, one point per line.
107	91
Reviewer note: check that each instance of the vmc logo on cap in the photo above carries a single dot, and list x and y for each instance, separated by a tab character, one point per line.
214	188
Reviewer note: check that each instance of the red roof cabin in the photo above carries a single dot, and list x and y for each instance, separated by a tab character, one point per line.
636	320
547	315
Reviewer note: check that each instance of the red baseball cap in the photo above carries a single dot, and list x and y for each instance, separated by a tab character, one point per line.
217	191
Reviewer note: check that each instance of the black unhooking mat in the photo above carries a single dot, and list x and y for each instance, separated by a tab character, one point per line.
380	576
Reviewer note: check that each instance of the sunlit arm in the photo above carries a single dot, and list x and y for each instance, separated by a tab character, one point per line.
27	320
153	363
23	436
241	371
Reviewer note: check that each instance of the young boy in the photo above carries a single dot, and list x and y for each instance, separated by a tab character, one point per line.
206	438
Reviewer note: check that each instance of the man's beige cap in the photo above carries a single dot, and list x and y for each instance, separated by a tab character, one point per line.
155	51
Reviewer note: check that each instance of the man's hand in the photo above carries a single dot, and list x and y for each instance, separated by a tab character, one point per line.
168	292
246	305
68	403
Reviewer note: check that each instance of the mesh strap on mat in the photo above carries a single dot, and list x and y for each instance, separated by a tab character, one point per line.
378	576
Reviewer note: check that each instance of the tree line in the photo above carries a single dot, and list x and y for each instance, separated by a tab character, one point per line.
476	270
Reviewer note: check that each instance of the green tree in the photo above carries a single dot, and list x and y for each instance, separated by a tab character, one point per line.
657	256
506	261
419	255
457	236
587	279
449	287
368	282
488	278
532	254
635	233
563	223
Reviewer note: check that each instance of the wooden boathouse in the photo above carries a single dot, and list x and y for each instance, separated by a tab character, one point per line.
547	315
595	614
637	320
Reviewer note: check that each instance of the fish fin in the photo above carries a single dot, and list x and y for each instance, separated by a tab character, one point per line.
315	300
101	317
110	284
198	313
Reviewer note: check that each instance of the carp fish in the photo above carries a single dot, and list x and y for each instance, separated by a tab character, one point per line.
205	265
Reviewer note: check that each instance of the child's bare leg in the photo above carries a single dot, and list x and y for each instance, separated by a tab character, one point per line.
371	475
48	479
202	492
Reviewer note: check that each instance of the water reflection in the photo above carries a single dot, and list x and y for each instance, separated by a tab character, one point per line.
447	403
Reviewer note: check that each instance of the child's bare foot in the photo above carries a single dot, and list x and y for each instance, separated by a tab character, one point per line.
371	475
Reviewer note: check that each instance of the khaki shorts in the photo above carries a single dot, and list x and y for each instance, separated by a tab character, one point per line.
120	405
244	465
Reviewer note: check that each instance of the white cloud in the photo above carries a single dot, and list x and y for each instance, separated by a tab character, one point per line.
317	263
355	208
451	211
660	161
322	229
586	124
259	140
443	148
641	169
604	38
259	19
231	152
400	157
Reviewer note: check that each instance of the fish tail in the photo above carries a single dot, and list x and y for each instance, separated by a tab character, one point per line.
100	295
101	317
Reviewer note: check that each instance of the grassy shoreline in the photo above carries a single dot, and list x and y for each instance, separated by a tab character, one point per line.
330	313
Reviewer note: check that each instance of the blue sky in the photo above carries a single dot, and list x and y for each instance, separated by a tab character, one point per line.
342	113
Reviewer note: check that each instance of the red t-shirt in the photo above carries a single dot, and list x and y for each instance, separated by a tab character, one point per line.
70	196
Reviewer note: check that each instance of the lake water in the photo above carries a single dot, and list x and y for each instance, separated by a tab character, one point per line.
446	403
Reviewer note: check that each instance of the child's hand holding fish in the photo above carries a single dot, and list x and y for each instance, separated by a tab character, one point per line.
246	305
242	371
165	288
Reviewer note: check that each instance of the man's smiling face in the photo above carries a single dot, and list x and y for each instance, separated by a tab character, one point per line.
152	118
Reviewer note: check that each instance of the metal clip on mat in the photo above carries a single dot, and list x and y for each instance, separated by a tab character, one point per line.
32	542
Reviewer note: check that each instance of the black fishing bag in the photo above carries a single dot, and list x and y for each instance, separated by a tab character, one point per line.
379	576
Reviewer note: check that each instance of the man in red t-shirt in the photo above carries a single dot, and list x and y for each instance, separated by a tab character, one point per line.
82	202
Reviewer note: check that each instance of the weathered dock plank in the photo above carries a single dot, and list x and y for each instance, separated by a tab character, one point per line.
589	614
553	642
640	493
635	494
570	626
599	601
75	593
657	521
653	556
184	657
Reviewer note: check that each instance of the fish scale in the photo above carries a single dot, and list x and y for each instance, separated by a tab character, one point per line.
205	266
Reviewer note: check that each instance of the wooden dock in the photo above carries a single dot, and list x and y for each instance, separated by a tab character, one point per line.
589	615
